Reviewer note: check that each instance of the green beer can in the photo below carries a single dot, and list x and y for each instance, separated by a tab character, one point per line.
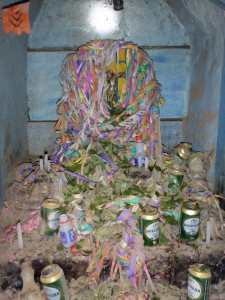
54	283
49	217
149	225
190	220
178	175
198	282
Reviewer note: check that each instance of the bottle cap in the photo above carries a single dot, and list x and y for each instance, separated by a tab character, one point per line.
63	219
138	139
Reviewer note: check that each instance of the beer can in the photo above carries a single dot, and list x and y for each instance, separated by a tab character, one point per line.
183	152
187	145
190	220
168	165
149	225
198	282
50	217
54	283
178	175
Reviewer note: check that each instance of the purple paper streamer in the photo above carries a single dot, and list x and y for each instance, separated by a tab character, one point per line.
60	153
125	213
79	176
133	264
140	117
152	147
152	126
126	236
151	109
64	182
117	133
104	157
130	133
105	135
27	169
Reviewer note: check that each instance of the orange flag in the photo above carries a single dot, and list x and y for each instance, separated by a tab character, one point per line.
16	18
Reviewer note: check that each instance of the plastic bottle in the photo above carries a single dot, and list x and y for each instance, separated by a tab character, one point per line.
140	153
66	231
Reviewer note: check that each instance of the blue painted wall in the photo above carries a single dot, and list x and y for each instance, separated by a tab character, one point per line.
220	3
74	23
13	118
220	154
204	23
13	102
44	90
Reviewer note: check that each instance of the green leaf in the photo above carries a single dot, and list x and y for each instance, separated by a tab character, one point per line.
162	239
92	206
179	200
119	213
183	185
170	185
193	245
73	168
79	245
160	285
140	205
151	168
170	220
163	171
60	248
92	151
158	168
157	194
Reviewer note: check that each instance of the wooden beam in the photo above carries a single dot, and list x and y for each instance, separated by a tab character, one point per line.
161	119
72	49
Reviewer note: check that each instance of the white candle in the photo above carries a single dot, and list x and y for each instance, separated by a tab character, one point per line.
208	234
211	228
60	186
19	235
41	164
46	161
48	165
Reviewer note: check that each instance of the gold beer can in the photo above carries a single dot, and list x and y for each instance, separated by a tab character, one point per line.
49	217
198	282
187	145
190	220
149	225
54	283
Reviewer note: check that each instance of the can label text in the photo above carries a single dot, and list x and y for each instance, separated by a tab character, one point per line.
52	293
194	289
53	220
151	231
191	226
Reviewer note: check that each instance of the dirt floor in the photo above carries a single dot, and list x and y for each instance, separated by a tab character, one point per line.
167	264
